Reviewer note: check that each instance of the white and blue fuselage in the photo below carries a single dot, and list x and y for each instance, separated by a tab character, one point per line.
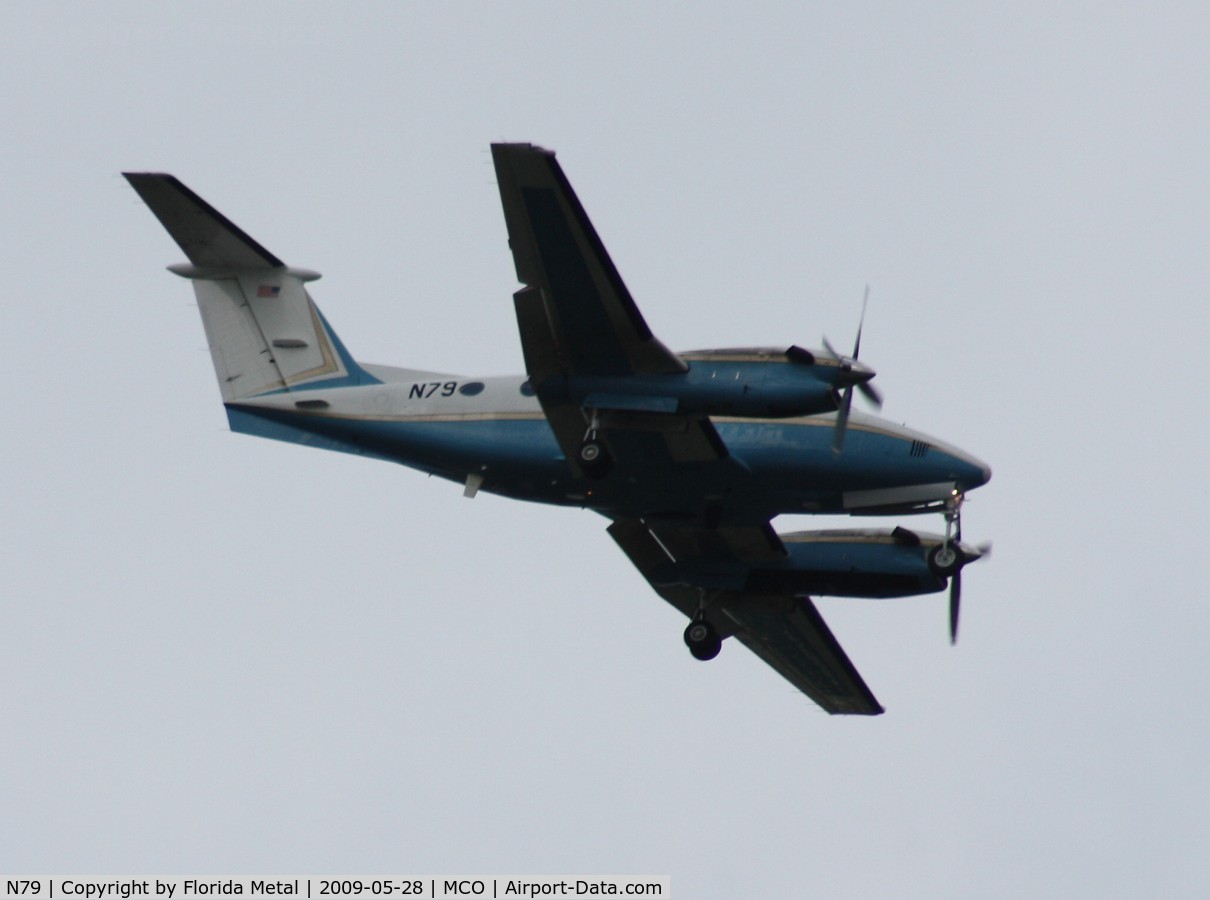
691	456
494	430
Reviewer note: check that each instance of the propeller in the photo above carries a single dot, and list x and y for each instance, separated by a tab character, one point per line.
852	374
980	552
956	586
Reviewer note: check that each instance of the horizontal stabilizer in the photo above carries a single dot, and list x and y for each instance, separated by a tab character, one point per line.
209	239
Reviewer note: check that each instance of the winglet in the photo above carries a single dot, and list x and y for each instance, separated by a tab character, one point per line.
209	239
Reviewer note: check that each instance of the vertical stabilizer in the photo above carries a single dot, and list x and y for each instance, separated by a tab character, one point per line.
265	332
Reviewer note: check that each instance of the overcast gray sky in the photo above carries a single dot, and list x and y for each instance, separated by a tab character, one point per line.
225	655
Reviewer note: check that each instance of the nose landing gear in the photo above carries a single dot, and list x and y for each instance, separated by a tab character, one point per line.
947	558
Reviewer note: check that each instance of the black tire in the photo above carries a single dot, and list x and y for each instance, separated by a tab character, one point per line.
945	560
702	640
594	459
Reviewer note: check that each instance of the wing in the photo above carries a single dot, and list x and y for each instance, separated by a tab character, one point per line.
577	319
685	564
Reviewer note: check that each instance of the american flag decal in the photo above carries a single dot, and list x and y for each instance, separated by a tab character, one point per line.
268	290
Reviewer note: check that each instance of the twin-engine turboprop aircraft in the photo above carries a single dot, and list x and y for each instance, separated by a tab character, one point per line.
690	455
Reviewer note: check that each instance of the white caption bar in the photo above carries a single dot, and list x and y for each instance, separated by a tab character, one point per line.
325	887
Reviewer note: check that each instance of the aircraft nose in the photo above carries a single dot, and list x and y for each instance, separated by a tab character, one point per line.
978	472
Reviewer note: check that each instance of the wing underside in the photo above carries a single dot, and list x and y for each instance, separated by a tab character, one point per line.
578	323
786	631
577	319
581	314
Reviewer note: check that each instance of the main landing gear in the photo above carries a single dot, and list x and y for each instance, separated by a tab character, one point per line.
701	638
592	455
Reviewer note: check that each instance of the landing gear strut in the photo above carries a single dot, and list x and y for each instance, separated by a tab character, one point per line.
592	455
947	557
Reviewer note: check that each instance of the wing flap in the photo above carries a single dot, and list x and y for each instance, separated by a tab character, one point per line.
792	637
537	339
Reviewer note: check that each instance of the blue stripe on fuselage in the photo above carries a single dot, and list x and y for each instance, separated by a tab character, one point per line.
790	464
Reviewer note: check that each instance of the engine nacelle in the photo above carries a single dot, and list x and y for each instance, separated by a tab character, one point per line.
841	563
852	563
756	383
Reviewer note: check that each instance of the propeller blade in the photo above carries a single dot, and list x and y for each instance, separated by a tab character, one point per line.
955	604
828	346
852	374
871	393
861	324
956	578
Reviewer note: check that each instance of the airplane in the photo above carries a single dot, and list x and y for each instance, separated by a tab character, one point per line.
689	455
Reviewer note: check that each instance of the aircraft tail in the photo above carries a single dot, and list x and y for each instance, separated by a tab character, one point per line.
265	333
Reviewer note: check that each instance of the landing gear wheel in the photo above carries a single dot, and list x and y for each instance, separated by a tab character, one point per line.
945	560
702	640
594	459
